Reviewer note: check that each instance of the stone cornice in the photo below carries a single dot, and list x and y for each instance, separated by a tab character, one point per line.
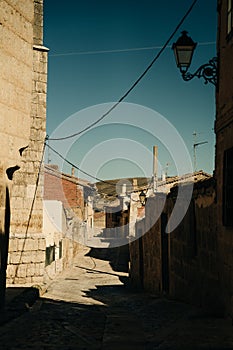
40	48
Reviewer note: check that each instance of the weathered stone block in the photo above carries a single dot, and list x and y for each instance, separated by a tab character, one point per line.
21	49
41	244
17	203
20	280
42	77
21	243
28	257
14	258
39	269
18	191
15	21
41	87
30	270
22	270
44	57
13	245
37	279
26	8
40	256
11	271
38	8
30	244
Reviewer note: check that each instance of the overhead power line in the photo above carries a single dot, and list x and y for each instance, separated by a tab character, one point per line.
76	167
132	49
135	83
86	173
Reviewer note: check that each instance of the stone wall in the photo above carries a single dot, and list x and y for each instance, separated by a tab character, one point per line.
184	264
60	249
224	142
193	258
136	268
145	248
16	31
27	195
16	60
23	110
99	219
200	250
23	90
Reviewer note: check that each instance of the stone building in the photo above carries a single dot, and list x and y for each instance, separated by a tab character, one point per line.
224	150
168	263
68	189
23	85
68	213
194	262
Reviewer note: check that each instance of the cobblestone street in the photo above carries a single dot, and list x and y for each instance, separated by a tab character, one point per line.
89	307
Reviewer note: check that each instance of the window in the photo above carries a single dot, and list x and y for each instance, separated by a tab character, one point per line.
229	16
49	255
228	188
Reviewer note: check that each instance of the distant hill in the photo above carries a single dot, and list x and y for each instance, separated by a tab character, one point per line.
110	188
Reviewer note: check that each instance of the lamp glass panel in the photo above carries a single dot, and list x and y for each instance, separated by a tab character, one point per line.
184	57
142	197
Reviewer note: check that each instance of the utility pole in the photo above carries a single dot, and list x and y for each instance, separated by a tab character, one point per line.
195	145
166	169
48	153
155	168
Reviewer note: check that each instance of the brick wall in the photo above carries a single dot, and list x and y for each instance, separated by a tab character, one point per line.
64	188
70	195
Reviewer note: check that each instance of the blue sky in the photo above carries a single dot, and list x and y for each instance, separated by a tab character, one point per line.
97	51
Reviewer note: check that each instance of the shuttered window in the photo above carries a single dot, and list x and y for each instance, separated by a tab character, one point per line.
228	188
229	16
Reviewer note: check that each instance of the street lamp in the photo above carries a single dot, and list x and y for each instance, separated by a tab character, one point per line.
183	51
142	198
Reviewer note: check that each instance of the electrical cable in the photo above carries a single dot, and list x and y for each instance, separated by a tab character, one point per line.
36	187
56	173
79	53
86	173
31	208
76	167
134	84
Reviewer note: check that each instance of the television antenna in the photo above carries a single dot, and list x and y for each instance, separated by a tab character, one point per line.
195	145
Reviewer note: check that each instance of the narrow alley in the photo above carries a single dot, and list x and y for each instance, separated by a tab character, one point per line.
91	306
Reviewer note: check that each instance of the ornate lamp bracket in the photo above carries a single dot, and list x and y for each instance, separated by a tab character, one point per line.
207	71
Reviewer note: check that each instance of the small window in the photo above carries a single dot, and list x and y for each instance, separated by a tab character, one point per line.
229	16
228	188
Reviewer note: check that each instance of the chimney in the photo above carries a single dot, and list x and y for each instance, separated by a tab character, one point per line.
72	171
135	184
155	167
123	190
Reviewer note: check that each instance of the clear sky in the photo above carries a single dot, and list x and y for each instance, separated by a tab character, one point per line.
97	51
